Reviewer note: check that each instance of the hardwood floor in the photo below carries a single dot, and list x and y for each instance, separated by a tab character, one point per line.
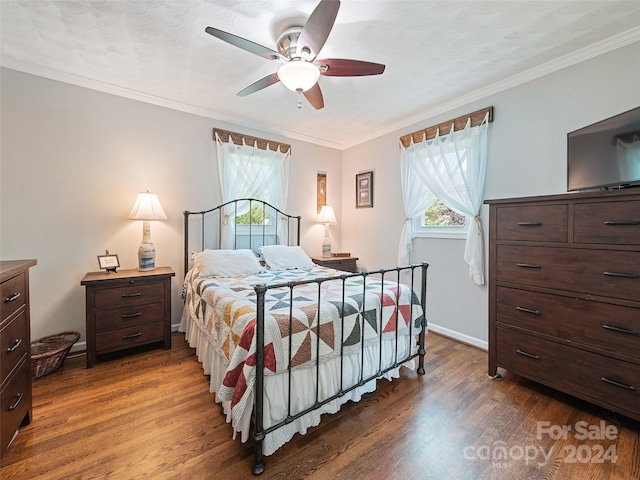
151	416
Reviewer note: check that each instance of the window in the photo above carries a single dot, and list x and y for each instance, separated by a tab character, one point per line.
441	222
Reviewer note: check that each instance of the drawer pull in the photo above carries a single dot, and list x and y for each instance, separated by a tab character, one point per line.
529	224
528	310
15	345
620	330
12	298
617	384
528	265
616	223
133	335
127	295
621	274
131	315
15	405
530	355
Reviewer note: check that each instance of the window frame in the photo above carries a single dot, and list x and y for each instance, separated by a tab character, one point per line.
439	231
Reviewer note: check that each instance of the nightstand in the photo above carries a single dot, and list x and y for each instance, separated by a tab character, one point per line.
127	309
346	264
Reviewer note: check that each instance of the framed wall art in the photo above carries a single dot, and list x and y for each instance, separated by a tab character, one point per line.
364	190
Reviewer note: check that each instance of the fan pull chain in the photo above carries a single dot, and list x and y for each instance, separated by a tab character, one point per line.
299	98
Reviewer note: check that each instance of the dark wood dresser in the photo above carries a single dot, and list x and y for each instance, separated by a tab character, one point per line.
564	294
15	354
127	309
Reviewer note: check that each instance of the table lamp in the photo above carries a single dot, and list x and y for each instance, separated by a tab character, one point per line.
328	218
147	207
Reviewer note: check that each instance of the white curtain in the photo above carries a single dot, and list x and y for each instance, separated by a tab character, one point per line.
249	172
451	168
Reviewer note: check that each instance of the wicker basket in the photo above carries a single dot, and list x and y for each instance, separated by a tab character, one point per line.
48	353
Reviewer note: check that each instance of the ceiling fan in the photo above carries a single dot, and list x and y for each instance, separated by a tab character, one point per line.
298	47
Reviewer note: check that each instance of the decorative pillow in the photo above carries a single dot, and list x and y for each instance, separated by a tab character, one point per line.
283	257
226	263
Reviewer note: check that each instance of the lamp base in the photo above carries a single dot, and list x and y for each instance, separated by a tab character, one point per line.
146	256
326	247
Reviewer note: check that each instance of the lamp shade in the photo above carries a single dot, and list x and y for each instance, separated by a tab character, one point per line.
147	207
327	216
298	75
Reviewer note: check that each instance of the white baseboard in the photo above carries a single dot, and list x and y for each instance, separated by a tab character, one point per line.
459	336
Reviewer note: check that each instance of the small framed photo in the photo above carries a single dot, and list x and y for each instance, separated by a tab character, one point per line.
364	190
109	262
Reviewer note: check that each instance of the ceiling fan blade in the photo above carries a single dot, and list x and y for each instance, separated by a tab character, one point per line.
316	31
259	85
314	96
244	44
340	67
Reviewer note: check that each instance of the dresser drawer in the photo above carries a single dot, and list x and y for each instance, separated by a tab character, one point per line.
15	400
135	293
13	294
108	319
609	381
616	223
604	326
129	337
540	223
607	273
14	342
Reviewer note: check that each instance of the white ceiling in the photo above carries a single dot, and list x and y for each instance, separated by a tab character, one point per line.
439	54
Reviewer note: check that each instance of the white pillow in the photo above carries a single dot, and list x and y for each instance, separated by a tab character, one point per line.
283	257
226	263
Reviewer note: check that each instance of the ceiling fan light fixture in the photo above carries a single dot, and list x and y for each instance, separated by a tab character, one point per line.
298	75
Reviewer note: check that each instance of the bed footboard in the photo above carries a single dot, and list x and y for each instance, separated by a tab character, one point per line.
420	324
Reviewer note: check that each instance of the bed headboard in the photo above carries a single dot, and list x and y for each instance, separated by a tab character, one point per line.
204	229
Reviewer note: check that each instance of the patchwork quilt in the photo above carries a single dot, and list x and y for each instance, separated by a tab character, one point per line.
303	324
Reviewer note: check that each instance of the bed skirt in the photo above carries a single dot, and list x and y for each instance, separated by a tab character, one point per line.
215	365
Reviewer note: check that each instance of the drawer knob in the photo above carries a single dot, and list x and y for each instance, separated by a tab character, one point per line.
617	223
620	330
16	344
528	265
15	405
127	295
133	335
618	384
621	274
131	315
530	355
12	298
529	224
528	310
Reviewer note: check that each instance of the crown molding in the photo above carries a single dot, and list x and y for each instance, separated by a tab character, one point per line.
586	53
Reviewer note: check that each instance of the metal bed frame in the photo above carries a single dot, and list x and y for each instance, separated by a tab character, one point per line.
259	432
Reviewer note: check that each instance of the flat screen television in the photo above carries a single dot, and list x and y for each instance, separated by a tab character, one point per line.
606	154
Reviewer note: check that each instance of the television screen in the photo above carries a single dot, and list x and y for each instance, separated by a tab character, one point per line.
605	154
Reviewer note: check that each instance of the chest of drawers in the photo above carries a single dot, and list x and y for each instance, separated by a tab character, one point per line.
127	309
15	349
564	294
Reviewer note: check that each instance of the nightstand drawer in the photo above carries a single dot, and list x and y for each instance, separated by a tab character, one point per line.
14	342
543	223
108	319
16	403
136	294
129	337
14	295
